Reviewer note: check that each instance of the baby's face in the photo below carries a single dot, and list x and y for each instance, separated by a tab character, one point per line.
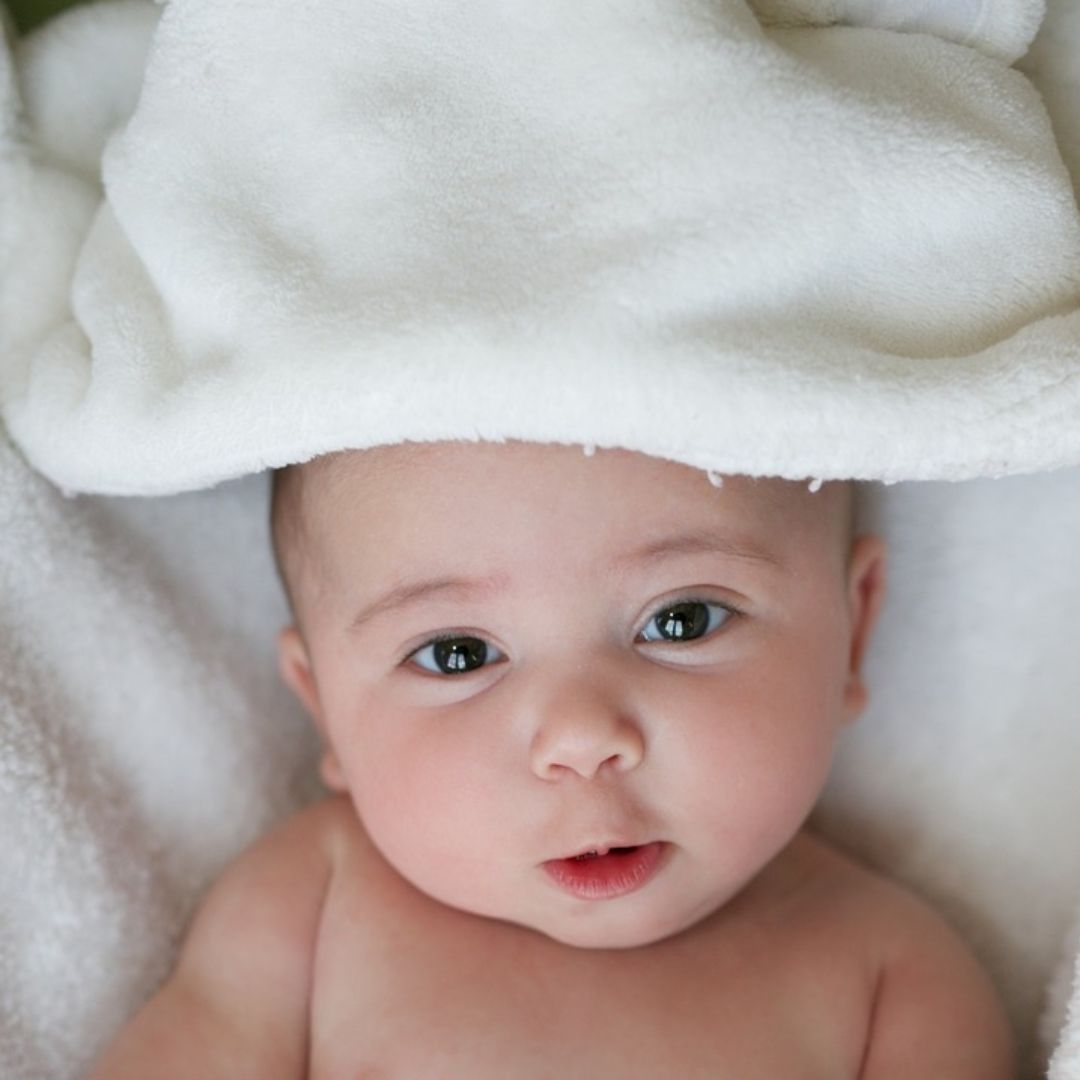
629	657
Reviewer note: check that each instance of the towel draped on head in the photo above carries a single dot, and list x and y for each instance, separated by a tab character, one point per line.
745	238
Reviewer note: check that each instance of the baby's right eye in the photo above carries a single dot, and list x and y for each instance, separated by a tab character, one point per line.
454	655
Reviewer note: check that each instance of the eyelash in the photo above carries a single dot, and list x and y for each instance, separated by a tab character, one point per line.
732	613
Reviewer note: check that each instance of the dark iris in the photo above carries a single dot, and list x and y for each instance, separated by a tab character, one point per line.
682	622
459	655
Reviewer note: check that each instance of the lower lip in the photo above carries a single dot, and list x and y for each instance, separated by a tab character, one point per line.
603	877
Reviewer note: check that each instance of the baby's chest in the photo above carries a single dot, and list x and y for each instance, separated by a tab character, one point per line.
434	993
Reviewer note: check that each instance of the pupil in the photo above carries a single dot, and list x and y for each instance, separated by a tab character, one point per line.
683	622
460	654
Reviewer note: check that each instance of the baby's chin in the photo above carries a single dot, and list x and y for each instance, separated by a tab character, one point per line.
596	928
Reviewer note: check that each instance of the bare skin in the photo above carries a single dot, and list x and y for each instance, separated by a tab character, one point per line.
312	958
409	927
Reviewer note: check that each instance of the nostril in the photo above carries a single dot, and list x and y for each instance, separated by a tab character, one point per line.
589	743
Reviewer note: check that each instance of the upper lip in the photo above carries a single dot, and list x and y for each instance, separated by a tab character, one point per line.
602	848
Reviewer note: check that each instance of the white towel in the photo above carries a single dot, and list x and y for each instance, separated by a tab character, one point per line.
820	251
999	28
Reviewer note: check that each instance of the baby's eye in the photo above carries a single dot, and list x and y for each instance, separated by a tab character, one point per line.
686	620
454	655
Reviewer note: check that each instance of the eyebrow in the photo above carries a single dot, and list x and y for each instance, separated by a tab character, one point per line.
412	592
696	542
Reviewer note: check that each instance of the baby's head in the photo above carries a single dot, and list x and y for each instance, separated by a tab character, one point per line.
626	656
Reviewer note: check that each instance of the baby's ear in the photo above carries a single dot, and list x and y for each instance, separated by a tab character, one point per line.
295	669
865	595
294	665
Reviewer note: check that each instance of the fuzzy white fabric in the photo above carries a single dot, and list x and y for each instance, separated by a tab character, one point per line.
961	777
558	222
1054	63
1000	28
144	736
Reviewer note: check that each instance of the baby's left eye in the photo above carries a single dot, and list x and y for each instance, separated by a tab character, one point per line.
686	620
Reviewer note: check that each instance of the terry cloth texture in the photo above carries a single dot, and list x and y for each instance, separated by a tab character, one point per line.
144	739
999	28
822	251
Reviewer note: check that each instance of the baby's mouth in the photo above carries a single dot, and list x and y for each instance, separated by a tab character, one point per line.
595	853
605	871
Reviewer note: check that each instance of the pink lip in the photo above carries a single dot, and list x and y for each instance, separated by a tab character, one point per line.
603	877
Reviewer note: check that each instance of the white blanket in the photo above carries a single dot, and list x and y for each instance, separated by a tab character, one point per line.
809	251
143	739
144	736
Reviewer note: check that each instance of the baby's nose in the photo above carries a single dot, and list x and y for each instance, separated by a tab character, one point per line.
583	729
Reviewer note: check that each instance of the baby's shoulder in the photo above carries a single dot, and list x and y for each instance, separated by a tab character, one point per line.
286	870
241	983
928	988
887	916
825	886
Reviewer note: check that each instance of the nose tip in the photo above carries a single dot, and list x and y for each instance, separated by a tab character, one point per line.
585	745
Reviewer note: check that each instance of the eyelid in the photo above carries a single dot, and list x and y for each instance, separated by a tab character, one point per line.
453	634
700	595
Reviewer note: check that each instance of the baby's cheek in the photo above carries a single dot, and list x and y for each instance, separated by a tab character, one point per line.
431	807
750	779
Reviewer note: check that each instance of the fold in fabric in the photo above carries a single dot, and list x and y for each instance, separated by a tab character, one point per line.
826	251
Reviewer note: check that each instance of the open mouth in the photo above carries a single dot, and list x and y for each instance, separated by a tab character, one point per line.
603	873
601	852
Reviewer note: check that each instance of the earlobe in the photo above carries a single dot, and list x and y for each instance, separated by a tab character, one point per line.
330	772
866	594
295	668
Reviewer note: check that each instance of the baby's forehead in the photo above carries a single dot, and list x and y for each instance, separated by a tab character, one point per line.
389	508
429	471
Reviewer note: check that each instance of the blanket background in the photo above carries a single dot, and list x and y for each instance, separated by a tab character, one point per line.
144	738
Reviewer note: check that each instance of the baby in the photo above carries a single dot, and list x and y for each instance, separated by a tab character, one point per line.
576	708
